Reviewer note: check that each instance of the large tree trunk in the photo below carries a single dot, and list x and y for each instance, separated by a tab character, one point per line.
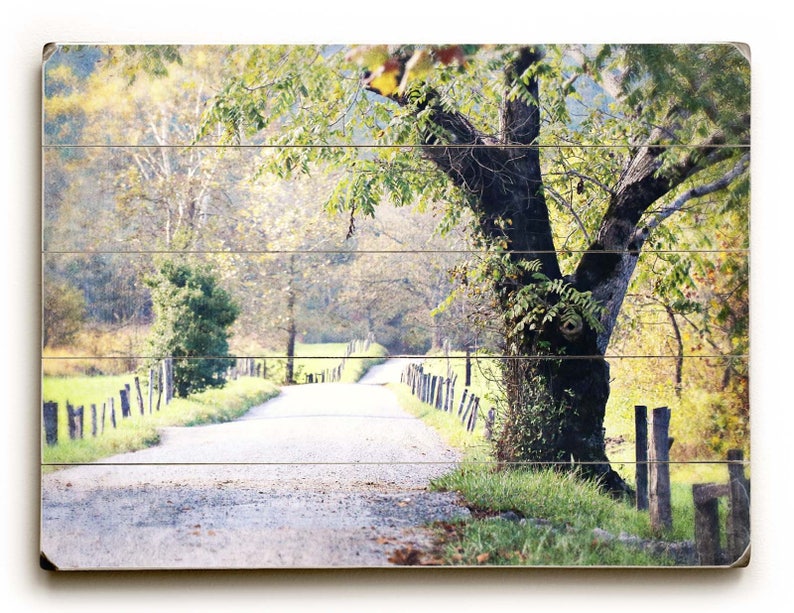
556	377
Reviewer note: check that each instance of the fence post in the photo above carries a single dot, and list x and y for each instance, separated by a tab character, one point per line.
104	406
112	412
125	402
463	419
139	395
641	455
462	401
168	379
659	471
74	421
93	420
707	526
473	417
80	419
50	416
739	506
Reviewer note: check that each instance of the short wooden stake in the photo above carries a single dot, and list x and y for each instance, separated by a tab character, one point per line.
50	416
707	524
659	471
641	455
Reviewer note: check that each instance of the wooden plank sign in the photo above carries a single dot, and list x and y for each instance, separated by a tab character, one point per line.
384	305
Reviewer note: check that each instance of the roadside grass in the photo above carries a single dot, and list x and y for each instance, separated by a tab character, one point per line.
561	510
359	363
139	431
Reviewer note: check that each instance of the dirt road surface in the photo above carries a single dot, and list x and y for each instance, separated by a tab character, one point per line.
326	475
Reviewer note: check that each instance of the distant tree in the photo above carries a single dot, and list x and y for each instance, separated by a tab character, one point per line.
63	312
192	320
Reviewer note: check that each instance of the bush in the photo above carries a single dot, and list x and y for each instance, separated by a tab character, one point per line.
192	321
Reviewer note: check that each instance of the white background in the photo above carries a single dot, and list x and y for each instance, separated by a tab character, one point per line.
27	26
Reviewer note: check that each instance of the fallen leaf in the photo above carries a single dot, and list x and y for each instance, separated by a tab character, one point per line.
483	557
406	556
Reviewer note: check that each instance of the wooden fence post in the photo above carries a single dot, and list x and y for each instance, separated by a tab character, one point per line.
104	407
462	401
659	471
169	380
739	506
473	417
93	420
139	395
112	413
75	421
707	524
641	455
50	416
463	419
125	402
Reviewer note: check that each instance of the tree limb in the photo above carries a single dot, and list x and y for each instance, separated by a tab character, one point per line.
701	190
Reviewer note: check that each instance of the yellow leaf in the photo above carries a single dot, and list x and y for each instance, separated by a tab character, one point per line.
370	57
386	79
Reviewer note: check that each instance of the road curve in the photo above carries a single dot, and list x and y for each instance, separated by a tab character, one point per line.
324	475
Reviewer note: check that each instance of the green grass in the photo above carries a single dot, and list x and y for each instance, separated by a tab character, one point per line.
572	507
569	508
314	358
359	363
140	431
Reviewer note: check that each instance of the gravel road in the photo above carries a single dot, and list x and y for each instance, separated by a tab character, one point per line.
324	475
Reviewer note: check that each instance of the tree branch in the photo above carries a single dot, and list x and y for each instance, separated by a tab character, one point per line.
701	190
